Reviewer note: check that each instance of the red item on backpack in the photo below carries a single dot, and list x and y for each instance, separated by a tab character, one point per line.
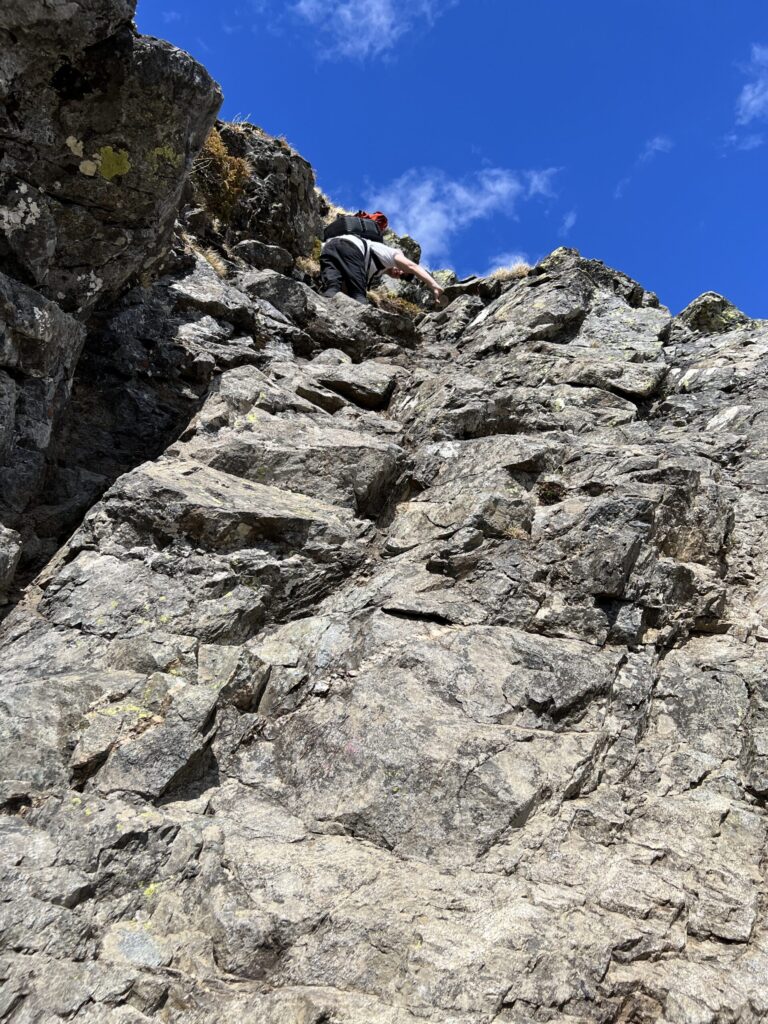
378	218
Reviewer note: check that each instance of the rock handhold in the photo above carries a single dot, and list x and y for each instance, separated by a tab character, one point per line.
264	257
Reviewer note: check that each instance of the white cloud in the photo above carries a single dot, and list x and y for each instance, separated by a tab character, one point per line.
365	28
170	16
569	221
433	208
658	144
540	182
745	143
752	103
505	259
653	147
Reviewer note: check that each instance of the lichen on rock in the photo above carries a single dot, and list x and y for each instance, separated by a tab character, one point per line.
89	93
379	667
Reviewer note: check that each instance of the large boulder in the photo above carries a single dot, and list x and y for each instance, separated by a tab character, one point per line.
278	204
100	127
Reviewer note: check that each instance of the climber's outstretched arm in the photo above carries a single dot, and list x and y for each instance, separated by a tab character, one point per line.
409	267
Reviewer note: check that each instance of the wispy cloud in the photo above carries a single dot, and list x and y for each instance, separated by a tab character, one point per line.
433	208
506	259
360	29
744	143
752	104
541	183
170	16
659	144
568	223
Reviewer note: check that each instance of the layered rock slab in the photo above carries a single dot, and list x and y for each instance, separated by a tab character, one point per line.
485	746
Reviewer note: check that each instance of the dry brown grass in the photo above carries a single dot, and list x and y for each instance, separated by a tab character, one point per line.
332	210
215	260
211	256
219	177
512	272
395	304
308	265
311	264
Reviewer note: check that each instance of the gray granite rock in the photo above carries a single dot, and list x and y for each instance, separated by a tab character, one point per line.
101	127
10	551
262	256
440	699
279	205
39	349
398	674
340	322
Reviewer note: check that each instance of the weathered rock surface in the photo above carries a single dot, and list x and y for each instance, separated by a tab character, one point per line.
423	687
99	128
39	348
399	674
277	211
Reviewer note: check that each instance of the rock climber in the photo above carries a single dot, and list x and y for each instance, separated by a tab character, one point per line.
352	264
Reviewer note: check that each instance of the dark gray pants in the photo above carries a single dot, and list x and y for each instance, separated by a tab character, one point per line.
342	268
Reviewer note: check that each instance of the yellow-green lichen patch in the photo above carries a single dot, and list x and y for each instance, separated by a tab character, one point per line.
118	710
113	164
164	155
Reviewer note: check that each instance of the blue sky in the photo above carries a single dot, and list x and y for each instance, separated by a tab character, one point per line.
492	129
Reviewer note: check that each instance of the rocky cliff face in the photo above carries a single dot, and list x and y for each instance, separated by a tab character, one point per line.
98	130
405	671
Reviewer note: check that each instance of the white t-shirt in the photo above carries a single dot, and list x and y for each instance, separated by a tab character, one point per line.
385	254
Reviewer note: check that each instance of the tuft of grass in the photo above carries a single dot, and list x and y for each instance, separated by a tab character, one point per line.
328	209
215	261
311	264
209	255
308	265
511	273
219	177
395	304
